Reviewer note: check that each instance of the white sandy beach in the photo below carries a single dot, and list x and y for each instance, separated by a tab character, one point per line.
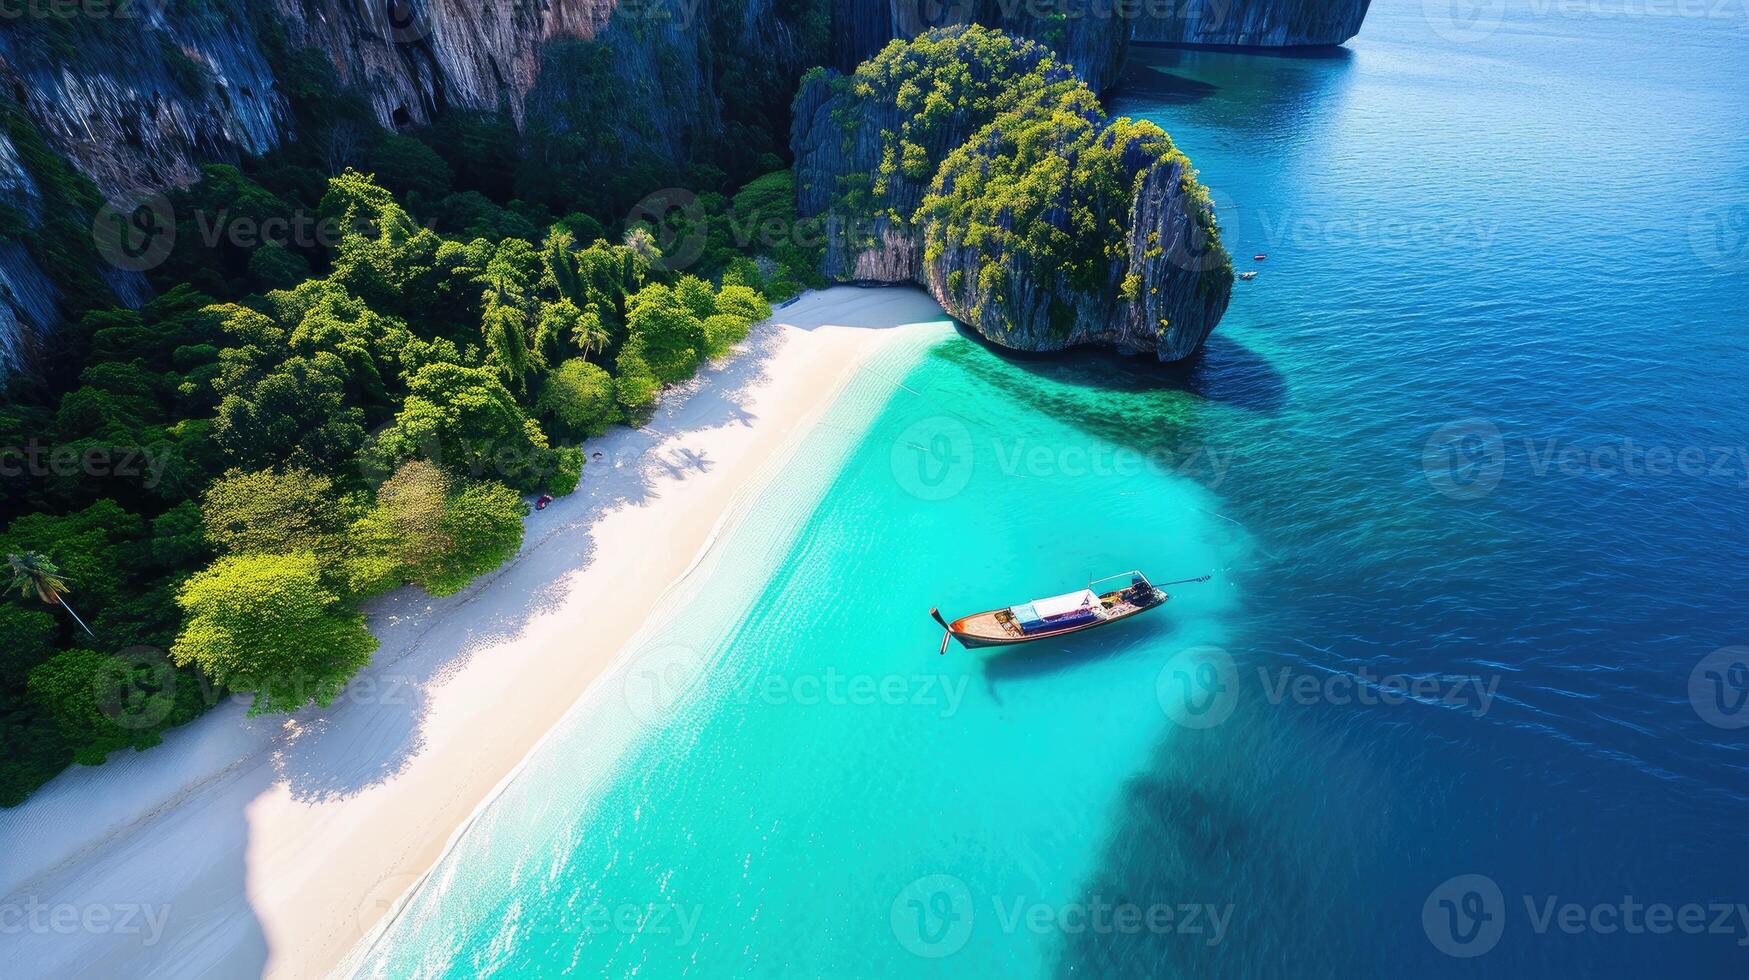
244	847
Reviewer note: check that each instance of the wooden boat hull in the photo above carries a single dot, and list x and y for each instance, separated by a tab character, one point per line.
989	629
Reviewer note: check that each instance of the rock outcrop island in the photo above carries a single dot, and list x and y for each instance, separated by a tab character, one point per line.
977	165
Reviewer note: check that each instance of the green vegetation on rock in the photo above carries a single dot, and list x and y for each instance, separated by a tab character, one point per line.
977	165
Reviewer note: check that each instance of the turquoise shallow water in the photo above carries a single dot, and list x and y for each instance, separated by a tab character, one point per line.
1478	425
804	754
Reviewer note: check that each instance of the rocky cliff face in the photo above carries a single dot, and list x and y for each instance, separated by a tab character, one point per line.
1024	211
27	298
137	103
414	61
1251	23
132	103
140	105
1093	46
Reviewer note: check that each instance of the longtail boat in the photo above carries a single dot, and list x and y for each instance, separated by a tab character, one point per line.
1058	615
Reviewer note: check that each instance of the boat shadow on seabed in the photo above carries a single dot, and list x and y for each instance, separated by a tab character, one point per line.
1034	660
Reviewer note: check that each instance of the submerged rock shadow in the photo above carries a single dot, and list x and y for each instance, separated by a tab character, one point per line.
1298	52
1222	371
1232	820
1145	81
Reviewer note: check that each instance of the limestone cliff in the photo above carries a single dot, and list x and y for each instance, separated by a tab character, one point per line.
131	103
1005	191
1093	46
1250	23
140	104
137	102
27	298
415	60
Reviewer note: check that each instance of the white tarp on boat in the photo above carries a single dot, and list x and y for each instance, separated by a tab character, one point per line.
1062	605
1059	610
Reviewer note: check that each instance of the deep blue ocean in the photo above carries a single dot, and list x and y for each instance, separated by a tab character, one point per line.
1469	462
1485	398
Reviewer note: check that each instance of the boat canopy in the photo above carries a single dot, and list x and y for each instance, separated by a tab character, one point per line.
1056	611
1135	577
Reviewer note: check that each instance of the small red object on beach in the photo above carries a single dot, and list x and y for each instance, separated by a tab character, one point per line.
1259	257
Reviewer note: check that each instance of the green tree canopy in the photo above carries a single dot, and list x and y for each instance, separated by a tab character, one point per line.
103	703
722	332
92	549
267	512
29	640
481	528
579	397
267	625
354	199
405	165
744	303
466	420
669	335
296	413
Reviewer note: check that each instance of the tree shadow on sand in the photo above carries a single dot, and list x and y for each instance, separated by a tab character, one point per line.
374	730
192	796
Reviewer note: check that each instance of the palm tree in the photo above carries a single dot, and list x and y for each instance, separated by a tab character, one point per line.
591	333
505	331
33	572
562	264
643	249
